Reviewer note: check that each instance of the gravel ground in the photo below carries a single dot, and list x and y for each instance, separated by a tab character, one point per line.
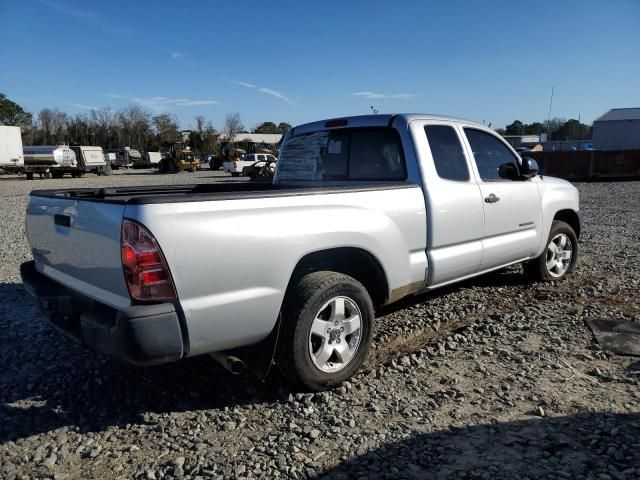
494	378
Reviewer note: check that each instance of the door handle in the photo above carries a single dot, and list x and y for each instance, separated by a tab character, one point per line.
62	220
491	198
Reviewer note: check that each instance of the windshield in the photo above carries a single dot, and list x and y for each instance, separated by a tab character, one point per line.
343	154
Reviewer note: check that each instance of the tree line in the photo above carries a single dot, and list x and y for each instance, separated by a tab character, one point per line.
556	128
132	126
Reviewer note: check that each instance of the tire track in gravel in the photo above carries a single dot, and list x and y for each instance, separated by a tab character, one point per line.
383	352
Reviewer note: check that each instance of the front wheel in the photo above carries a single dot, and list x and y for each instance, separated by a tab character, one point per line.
326	331
559	257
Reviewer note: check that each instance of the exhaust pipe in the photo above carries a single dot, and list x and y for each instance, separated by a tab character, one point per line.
230	363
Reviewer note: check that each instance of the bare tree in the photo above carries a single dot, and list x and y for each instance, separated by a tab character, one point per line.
45	119
78	129
53	124
102	126
135	125
166	126
232	127
200	124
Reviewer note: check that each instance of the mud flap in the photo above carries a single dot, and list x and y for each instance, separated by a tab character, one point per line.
259	357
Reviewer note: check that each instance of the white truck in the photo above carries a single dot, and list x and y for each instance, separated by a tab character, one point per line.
11	154
362	211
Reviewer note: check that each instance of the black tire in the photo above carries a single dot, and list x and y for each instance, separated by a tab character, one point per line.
537	269
303	302
29	175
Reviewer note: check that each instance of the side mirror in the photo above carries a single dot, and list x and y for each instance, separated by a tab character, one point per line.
508	171
529	168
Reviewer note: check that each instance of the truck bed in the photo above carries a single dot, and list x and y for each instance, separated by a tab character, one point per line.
209	192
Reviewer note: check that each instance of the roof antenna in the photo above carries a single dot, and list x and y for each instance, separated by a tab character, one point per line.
373	110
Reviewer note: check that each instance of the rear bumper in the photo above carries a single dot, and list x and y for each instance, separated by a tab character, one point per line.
140	334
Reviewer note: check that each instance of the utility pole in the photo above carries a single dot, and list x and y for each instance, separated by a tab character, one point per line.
579	133
549	116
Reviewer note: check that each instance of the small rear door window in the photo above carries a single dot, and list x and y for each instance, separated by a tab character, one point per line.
447	153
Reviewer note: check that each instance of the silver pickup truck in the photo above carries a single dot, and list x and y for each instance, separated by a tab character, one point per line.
362	212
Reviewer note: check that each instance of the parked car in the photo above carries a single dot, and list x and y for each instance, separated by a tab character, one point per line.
235	166
362	212
123	157
263	169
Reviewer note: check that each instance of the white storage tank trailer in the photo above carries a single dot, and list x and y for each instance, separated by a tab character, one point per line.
53	155
49	161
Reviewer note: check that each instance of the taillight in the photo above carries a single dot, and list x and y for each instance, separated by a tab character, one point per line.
145	268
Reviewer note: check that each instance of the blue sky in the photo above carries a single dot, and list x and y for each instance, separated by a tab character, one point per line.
301	61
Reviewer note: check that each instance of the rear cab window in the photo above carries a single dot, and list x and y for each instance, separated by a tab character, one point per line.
371	153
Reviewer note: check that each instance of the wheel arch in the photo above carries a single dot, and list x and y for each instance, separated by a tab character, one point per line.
570	217
355	262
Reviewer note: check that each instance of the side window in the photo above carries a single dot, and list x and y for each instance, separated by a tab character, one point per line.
447	153
489	153
260	158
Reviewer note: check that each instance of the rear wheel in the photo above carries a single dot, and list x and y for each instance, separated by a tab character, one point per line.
326	331
559	257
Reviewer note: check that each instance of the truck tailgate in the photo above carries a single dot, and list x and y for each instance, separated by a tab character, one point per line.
77	243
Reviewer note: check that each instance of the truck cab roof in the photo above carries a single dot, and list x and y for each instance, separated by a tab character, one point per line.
380	120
